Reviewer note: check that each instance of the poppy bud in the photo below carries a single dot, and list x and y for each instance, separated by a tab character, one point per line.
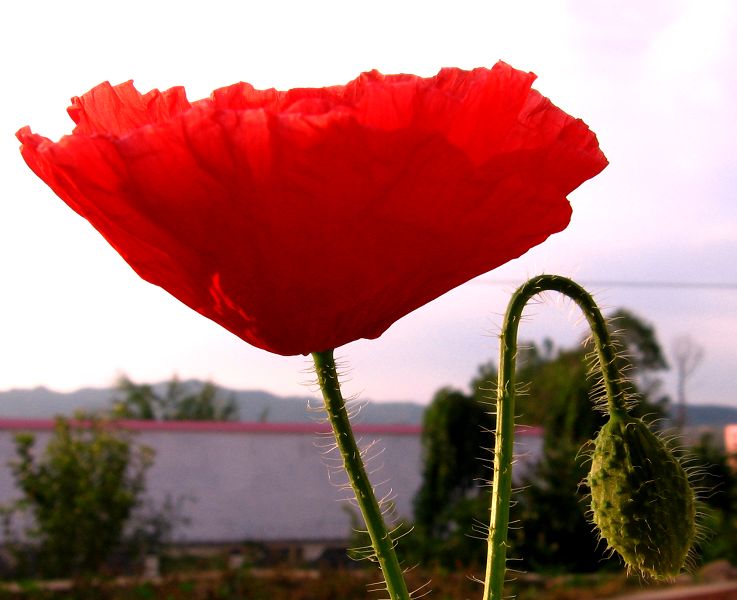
641	498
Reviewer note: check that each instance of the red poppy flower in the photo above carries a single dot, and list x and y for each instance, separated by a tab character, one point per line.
306	219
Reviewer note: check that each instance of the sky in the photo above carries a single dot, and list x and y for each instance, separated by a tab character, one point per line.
656	81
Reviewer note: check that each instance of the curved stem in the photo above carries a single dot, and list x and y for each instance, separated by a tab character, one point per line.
381	541
503	446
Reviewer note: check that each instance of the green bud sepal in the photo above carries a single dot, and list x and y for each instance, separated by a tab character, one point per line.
641	498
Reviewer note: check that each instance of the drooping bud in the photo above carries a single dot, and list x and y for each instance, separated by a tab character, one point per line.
641	498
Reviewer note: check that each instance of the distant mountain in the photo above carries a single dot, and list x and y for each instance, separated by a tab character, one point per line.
258	405
709	415
253	405
43	403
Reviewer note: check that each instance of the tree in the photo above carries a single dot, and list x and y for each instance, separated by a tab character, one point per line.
715	480
641	359
80	491
556	532
178	402
687	355
455	438
638	342
560	389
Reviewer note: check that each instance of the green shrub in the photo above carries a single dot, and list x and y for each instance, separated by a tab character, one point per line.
79	492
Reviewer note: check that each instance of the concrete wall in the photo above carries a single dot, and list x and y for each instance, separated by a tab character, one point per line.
265	482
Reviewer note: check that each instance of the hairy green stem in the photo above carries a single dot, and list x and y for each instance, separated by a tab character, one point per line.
327	377
503	446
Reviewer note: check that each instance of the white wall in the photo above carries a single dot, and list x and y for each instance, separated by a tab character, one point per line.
267	486
264	483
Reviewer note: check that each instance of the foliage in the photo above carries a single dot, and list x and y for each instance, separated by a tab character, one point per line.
714	473
553	531
638	342
455	430
177	402
715	479
559	388
80	492
556	392
152	525
641	359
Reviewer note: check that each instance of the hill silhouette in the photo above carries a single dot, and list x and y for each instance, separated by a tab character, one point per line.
253	405
260	405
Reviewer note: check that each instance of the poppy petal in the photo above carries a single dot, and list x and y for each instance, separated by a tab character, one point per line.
307	219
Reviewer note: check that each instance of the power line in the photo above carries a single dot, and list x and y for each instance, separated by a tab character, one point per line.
682	285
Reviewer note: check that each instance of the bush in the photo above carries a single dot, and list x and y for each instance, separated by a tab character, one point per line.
80	493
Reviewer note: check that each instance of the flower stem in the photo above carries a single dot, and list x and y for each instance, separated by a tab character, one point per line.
503	446
381	540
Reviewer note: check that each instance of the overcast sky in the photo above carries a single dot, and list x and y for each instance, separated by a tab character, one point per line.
656	80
